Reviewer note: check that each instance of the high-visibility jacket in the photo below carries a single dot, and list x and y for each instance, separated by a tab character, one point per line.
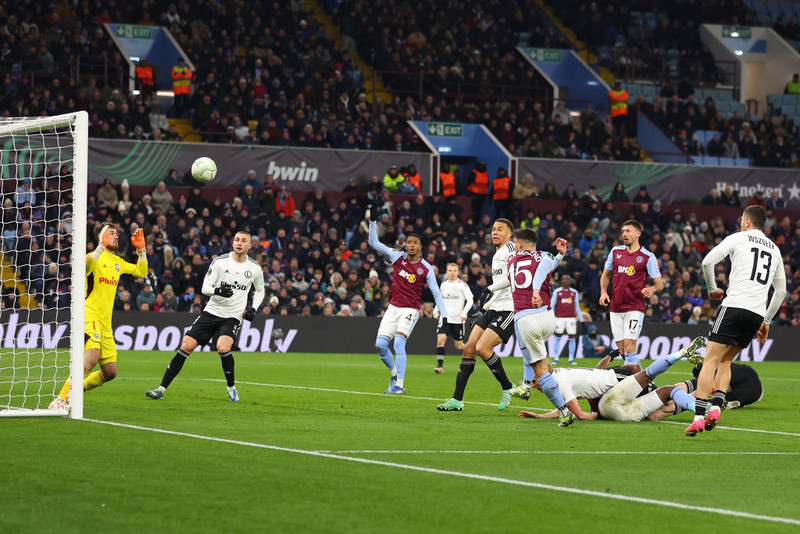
416	180
481	184
501	188
448	183
793	88
181	80
619	102
146	75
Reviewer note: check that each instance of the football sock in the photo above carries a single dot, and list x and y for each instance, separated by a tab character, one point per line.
94	380
174	368
496	365
572	349
700	406
464	370
556	346
631	359
227	367
551	390
527	372
440	356
382	345
659	366
399	382
64	393
682	399
689	386
718	400
400	353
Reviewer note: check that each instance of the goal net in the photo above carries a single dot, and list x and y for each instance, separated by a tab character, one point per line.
42	261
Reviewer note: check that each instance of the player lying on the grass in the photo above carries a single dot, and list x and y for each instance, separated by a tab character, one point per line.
409	276
618	393
103	271
228	282
492	326
756	266
458	299
744	389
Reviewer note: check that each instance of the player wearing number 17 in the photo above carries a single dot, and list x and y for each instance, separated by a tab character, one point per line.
630	265
103	271
755	266
410	274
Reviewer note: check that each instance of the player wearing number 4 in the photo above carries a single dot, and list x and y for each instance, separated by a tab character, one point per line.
630	265
410	274
228	282
103	271
755	266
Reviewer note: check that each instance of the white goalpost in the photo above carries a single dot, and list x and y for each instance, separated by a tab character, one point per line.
43	166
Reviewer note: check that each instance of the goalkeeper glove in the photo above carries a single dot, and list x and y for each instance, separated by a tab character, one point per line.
250	314
105	236
224	290
137	239
485	297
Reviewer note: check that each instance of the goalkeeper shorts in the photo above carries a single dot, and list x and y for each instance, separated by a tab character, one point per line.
99	336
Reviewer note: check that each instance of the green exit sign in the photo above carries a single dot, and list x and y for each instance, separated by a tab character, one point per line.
545	54
131	31
740	32
444	129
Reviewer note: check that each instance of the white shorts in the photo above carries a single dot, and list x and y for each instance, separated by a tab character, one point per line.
398	321
566	324
626	325
621	403
535	329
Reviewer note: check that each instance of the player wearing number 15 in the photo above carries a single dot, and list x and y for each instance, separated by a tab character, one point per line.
755	266
630	265
103	271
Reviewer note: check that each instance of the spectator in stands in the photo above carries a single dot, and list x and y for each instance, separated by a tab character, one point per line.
284	202
591	195
414	177
793	86
24	193
405	187
108	195
712	198
642	196
161	197
549	192
392	179
758	199
158	120
715	147
775	201
730	147
618	194
251	180
525	188
730	197
145	298
570	193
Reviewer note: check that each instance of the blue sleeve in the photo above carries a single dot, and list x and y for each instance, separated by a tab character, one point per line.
652	268
375	243
437	295
609	261
546	266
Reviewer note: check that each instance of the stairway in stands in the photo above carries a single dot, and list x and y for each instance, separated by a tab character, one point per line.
8	277
589	57
333	31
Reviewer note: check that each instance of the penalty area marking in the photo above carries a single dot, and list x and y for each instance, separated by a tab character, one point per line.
527	408
472	476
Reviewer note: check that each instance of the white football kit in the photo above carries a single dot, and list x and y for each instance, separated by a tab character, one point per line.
457	298
239	276
502	300
580	383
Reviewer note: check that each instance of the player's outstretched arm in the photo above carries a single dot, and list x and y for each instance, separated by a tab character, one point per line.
138	241
375	243
533	415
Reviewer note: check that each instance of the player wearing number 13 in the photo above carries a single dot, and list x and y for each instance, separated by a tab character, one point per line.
755	266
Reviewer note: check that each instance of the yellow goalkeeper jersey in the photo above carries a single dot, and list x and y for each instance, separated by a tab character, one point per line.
102	277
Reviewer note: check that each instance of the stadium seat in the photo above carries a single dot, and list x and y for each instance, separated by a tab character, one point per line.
650	92
727	162
774	102
742	162
788	111
790	100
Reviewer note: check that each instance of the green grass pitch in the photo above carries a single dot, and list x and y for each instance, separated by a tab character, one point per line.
315	447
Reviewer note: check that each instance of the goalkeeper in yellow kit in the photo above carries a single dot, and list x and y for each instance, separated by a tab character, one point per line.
103	269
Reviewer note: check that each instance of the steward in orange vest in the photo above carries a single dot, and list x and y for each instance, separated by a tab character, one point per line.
448	183
181	86
618	99
501	193
144	73
478	187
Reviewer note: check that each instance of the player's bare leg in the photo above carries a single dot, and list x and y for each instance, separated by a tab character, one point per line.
188	345
627	348
90	359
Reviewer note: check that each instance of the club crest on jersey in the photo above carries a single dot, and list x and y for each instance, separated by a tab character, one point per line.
248	274
116	266
630	270
411	277
420	271
639	259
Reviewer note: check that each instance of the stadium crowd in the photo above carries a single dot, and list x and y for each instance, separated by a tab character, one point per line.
315	256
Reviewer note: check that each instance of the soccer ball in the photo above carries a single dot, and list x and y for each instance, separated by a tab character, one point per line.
204	169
